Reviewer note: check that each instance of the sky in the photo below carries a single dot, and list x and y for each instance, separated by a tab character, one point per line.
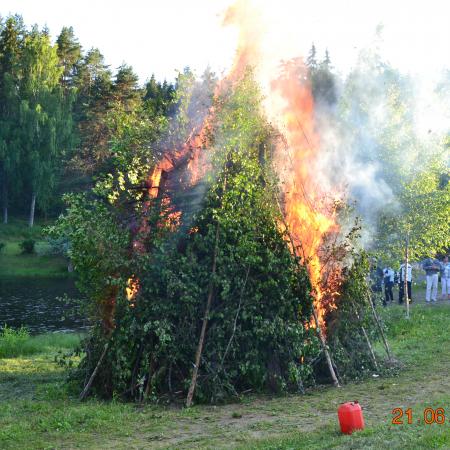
161	37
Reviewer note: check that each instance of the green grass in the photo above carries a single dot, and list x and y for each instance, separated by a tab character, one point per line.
13	263
39	410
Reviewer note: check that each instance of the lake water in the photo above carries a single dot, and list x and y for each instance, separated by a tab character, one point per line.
38	304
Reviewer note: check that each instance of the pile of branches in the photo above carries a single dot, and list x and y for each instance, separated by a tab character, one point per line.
220	310
228	300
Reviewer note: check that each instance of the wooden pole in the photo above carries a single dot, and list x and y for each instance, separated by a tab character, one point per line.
94	373
201	340
380	328
198	353
366	337
325	350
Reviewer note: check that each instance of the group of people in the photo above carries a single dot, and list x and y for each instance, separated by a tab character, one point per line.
390	278
432	267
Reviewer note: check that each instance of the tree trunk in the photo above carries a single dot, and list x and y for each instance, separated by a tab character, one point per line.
32	208
5	199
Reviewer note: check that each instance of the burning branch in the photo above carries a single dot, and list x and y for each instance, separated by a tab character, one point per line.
318	328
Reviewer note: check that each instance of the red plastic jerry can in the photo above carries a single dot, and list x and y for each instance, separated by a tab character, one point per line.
350	417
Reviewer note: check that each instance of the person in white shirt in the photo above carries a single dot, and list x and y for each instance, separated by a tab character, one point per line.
401	286
388	274
432	267
445	278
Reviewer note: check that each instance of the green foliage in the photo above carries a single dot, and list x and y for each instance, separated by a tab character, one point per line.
425	204
11	47
2	246
58	246
98	246
345	323
323	81
256	335
46	123
69	53
158	97
12	341
15	343
27	246
60	109
18	229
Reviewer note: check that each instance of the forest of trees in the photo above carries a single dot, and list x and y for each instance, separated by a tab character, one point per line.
60	107
65	115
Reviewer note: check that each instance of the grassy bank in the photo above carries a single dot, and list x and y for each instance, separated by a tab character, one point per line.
19	343
38	410
13	263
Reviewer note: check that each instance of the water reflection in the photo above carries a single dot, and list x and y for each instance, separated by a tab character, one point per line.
35	303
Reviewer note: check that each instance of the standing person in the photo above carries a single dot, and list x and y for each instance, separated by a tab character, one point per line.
401	286
445	278
432	268
388	285
376	275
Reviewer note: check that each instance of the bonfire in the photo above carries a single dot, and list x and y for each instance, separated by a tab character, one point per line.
240	275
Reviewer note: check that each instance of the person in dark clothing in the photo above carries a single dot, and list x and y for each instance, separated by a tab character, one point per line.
376	276
401	286
388	285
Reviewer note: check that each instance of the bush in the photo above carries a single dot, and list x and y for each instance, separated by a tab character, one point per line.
58	246
347	322
2	246
12	341
27	246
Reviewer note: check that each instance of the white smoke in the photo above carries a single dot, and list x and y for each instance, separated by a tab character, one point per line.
383	130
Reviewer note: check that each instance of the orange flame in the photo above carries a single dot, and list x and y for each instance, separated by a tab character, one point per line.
309	210
132	289
289	105
194	164
308	199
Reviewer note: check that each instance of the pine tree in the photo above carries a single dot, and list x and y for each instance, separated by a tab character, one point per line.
323	82
157	96
69	53
311	61
94	100
152	88
126	89
93	82
326	61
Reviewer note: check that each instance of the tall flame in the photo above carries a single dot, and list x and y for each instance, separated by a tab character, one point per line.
307	199
289	105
